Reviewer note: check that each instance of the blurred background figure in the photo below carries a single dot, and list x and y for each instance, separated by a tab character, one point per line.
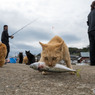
91	33
5	38
20	57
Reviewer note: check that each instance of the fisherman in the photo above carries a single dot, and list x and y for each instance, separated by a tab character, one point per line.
5	38
91	33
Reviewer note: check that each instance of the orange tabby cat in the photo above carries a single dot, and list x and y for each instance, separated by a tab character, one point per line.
25	60
55	51
3	53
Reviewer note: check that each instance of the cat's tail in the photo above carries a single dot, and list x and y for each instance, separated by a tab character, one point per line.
0	43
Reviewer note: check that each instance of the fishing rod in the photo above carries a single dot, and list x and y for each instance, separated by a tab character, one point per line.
24	26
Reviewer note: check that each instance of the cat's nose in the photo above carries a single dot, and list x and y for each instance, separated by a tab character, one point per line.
50	65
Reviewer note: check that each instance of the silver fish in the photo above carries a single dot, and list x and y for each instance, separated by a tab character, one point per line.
57	68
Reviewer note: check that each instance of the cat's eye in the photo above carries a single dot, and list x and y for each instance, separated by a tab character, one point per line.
46	58
54	58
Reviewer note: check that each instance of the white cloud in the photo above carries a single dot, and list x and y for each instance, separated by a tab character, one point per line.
68	17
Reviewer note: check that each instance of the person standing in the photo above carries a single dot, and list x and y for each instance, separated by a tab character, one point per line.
91	33
5	38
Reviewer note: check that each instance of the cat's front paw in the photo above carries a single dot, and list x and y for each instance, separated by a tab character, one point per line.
72	73
44	73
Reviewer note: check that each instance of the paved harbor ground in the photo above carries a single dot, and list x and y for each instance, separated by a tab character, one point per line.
20	79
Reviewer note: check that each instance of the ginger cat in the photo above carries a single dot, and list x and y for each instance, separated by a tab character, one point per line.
25	60
55	51
3	53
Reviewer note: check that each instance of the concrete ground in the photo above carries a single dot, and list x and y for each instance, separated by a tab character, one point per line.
20	79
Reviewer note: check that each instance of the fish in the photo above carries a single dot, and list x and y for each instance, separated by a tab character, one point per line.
57	68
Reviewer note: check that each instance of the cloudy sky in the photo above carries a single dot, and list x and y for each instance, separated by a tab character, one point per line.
66	18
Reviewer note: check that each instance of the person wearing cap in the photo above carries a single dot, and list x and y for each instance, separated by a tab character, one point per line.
91	33
5	38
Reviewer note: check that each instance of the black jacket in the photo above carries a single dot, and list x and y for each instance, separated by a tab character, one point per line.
5	38
91	21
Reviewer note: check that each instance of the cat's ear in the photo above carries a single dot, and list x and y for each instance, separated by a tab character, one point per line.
59	46
43	45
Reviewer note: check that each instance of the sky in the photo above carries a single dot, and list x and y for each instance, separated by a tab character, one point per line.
65	18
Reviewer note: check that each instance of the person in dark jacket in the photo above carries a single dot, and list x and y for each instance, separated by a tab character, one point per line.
5	38
91	33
